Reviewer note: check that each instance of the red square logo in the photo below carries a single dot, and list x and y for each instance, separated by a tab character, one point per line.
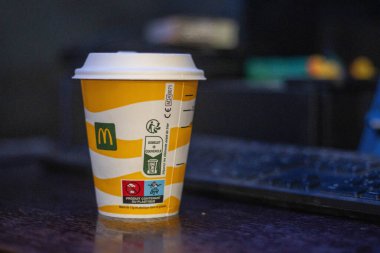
133	188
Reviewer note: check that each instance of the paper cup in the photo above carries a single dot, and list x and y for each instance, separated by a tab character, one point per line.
139	109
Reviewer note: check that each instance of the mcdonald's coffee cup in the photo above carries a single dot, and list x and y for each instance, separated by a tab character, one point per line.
139	110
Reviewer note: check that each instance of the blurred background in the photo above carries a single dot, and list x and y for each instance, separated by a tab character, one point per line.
286	71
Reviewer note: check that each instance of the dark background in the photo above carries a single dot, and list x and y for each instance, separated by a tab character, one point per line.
42	42
47	195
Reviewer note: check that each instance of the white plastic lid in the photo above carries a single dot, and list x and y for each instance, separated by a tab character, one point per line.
139	66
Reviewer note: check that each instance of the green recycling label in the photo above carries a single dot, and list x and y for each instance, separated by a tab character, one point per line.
153	155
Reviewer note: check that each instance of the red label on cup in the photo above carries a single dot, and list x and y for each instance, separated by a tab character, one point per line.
133	188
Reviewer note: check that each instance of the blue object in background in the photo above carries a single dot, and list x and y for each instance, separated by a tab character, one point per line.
370	142
154	188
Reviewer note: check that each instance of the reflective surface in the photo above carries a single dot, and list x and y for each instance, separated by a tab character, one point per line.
52	209
157	235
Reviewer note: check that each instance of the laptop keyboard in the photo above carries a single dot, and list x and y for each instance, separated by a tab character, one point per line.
285	175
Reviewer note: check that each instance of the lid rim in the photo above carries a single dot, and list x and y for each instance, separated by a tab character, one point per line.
139	66
138	77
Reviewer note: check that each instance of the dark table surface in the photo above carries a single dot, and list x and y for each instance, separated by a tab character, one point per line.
45	208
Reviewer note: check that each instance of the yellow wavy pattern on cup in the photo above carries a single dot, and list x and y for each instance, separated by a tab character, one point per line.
170	205
179	136
102	95
112	185
125	148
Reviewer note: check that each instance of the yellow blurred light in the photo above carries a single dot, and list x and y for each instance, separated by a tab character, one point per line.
362	68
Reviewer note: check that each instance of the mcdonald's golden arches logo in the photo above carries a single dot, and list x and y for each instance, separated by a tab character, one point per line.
105	136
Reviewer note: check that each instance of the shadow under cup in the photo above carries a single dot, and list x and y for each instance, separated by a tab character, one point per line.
159	235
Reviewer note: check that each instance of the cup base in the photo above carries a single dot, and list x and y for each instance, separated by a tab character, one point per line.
136	216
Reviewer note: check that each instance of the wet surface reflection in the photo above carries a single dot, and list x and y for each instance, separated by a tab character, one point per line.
55	211
135	235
